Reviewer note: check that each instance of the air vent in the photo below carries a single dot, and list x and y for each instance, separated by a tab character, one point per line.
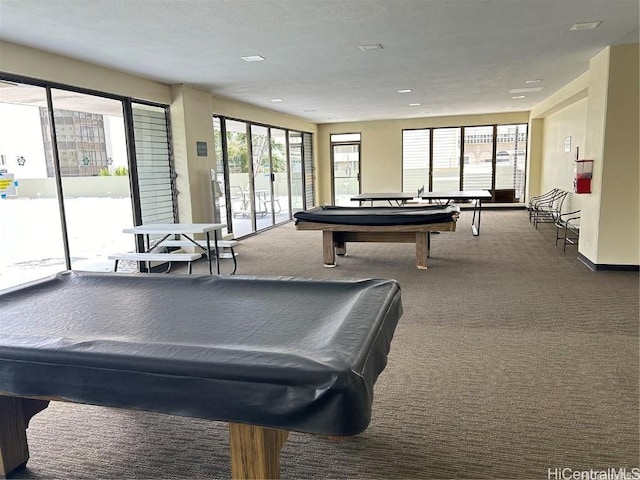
368	48
585	26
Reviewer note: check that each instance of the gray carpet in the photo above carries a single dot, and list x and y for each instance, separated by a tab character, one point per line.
511	358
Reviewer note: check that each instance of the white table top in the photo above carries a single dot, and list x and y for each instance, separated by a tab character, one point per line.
457	195
174	228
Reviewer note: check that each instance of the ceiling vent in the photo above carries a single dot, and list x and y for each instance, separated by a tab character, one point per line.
368	48
585	26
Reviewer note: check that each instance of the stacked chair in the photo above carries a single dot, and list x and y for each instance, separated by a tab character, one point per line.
547	208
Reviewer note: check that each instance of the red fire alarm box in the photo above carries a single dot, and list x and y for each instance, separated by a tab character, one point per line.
584	172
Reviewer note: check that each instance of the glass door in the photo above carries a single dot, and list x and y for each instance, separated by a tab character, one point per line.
345	157
297	172
240	174
280	176
92	151
262	185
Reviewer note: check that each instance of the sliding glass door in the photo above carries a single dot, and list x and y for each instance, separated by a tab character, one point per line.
262	174
92	152
68	162
280	178
31	228
297	171
262	185
240	176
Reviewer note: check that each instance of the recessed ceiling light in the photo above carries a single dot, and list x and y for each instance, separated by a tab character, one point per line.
276	100
537	80
406	90
253	58
415	104
517	97
526	90
586	25
368	48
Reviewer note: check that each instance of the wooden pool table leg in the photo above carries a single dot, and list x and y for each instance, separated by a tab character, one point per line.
255	451
422	249
15	414
328	248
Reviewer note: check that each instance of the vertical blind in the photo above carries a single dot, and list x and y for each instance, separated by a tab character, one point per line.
156	176
415	160
307	159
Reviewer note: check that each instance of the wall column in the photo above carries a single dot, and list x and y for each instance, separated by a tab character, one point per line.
612	141
191	122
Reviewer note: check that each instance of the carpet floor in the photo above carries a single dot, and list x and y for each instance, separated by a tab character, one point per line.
511	359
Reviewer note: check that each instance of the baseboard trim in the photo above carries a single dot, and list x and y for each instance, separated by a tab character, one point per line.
597	267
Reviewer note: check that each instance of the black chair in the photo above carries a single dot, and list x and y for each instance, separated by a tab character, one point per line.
535	201
568	229
549	210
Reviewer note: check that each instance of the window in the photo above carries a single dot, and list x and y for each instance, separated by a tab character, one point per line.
488	157
264	173
415	159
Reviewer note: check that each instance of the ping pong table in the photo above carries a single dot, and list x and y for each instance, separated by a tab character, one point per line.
475	195
397	198
267	355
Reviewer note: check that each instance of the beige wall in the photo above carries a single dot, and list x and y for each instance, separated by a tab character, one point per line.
557	165
619	226
244	111
381	152
600	111
29	62
191	123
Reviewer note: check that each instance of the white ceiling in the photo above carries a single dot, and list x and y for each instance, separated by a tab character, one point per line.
457	56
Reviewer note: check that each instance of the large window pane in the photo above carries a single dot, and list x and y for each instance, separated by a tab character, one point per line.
446	159
511	158
415	160
478	158
95	181
31	242
154	164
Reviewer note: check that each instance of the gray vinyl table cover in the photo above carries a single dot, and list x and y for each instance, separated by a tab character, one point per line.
379	216
295	354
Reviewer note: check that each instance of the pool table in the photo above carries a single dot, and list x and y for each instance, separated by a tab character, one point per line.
401	224
267	355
